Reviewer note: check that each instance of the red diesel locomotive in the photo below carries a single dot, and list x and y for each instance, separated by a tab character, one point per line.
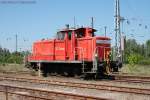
73	52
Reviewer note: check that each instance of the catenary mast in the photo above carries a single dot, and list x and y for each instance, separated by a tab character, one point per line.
118	51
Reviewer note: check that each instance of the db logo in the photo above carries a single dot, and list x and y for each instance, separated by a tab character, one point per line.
58	48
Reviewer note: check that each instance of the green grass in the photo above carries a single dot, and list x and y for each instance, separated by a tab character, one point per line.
13	67
137	69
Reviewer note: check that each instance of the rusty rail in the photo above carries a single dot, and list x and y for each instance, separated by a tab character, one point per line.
132	79
118	78
37	94
82	85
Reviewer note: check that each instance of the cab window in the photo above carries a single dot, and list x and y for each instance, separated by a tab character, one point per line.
69	35
60	36
80	33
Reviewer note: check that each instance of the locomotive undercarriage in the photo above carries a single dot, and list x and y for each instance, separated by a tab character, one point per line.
75	69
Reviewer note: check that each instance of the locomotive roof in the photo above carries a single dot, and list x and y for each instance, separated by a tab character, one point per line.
94	30
77	29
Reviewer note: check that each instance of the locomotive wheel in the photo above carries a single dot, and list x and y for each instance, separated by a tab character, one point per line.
115	69
76	72
89	76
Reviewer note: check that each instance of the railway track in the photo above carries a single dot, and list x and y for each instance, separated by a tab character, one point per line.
81	85
22	93
116	77
132	79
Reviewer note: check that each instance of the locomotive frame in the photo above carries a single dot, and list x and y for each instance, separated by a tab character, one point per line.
74	52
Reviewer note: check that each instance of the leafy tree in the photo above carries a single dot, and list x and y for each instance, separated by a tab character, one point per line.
7	57
133	48
134	59
148	48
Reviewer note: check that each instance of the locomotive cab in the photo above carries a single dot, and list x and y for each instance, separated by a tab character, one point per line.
85	32
79	33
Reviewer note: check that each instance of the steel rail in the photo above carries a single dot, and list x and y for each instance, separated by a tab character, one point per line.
82	85
132	79
43	94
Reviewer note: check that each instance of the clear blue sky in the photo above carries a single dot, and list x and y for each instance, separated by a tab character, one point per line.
41	19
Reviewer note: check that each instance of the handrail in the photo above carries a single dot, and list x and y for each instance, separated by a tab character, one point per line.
81	55
81	52
95	51
94	65
97	48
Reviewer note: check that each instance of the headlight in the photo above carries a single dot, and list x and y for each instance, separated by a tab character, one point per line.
96	55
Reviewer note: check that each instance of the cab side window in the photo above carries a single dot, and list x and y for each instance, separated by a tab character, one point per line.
69	35
80	35
60	36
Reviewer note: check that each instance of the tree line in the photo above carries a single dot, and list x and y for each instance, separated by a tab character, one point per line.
136	52
11	57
